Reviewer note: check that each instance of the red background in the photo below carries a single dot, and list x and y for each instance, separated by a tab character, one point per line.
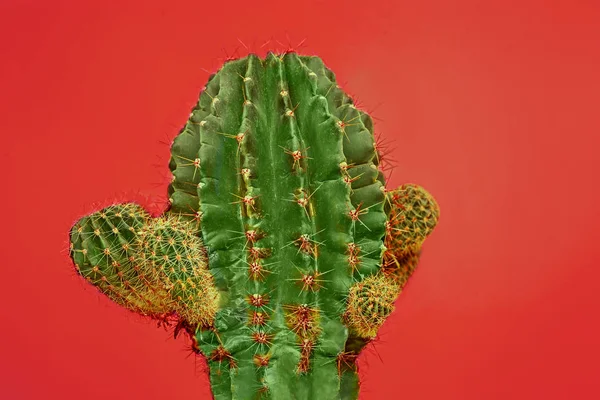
491	107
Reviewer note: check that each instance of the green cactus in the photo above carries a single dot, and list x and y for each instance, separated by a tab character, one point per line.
174	256
103	249
281	253
370	302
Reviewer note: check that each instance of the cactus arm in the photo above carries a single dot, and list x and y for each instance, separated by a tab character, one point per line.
102	249
152	266
412	215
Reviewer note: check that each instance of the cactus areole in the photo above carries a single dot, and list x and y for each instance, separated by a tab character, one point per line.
282	252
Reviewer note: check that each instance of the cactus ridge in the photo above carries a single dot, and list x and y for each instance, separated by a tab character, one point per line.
281	253
152	266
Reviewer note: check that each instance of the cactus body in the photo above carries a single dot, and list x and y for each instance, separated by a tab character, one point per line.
281	253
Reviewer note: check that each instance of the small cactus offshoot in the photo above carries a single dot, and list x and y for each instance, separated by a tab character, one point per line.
172	254
281	253
370	302
153	266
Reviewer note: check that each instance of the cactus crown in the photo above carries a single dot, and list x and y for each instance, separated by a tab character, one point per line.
281	253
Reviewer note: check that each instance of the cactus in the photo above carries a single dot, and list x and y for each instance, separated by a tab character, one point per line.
281	252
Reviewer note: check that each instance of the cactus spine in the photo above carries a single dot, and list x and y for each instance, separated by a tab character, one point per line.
281	253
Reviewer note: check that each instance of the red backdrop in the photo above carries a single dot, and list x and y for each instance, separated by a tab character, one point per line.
492	107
